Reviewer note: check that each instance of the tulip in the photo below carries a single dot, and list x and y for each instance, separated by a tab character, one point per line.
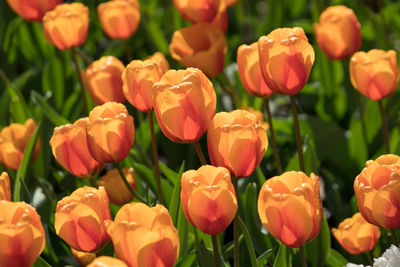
374	74
76	16
70	148
83	258
22	236
290	207
5	190
237	142
79	219
200	10
356	235
13	141
161	61
144	236
184	104
119	18
202	46
32	10
103	80
286	60
231	2
259	117
116	190
250	71
111	132
221	20
338	32
105	261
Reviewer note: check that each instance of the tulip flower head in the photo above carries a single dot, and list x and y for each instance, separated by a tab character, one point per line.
33	10
199	10
83	258
5	190
161	61
286	60
104	261
290	207
208	198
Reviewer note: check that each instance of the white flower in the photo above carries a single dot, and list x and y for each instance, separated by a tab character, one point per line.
354	265
390	258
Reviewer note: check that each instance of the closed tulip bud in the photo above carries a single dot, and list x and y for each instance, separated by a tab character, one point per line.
103	80
286	60
5	190
119	18
259	117
105	261
144	236
161	61
76	16
13	141
208	198
356	235
79	218
83	258
374	74
21	234
32	10
201	46
111	132
250	71
115	187
290	207
237	142
184	104
70	148
200	10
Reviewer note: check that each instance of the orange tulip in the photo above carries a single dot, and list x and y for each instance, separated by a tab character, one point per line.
231	2
110	132
356	235
237	142
83	258
5	190
119	18
184	104
221	20
338	32
250	71
22	237
259	117
286	60
200	10
105	261
69	147
144	236
208	198
115	187
76	16
32	10
202	46
374	74
13	140
290	207
103	80
79	218
160	59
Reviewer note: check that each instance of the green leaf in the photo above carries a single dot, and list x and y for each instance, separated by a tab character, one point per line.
284	257
50	113
335	259
249	244
205	257
175	198
186	261
40	262
168	173
311	161
317	250
53	80
18	107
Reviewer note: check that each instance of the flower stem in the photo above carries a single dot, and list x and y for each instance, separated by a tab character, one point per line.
216	252
155	156
272	134
394	237
133	192
236	262
127	50
78	72
229	89
200	153
384	127
303	257
297	132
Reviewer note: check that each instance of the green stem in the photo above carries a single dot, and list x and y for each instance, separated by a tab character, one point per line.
133	192
272	134
127	50
384	126
84	56
200	153
229	89
394	237
369	259
303	257
155	156
144	155
216	252
82	86
236	262
249	243
297	132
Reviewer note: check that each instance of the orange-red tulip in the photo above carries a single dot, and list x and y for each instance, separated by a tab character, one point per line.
103	80
22	237
184	104
55	22
144	236
250	71
119	18
286	59
13	140
338	32
237	142
202	46
160	59
208	198
356	235
32	10
115	187
199	10
105	261
79	218
290	207
221	20
231	2
374	74
110	132
83	258
5	189
69	147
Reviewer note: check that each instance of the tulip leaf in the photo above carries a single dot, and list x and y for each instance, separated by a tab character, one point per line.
175	198
284	257
249	244
53	80
187	260
335	259
51	114
321	243
168	173
311	161
40	262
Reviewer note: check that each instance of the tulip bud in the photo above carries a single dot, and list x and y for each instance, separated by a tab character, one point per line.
79	218
5	190
374	74
105	261
22	234
286	60
144	236
356	235
69	147
199	10
237	142
83	258
13	141
290	207
103	80
208	198
119	18
201	46
259	117
110	132
184	104
76	16
161	61
32	10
